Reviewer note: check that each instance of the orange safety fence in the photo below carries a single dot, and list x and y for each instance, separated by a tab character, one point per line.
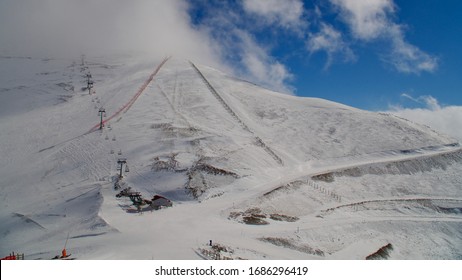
13	257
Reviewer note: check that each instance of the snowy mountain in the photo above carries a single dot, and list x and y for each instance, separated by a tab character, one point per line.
261	174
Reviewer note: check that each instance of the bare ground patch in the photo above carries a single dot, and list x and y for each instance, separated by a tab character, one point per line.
293	245
255	216
381	254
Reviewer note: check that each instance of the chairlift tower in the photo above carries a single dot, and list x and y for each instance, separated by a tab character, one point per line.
102	112
90	86
88	78
122	161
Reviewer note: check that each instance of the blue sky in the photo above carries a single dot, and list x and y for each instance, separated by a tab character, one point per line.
401	56
369	54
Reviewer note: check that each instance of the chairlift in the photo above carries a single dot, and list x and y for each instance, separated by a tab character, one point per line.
126	168
120	152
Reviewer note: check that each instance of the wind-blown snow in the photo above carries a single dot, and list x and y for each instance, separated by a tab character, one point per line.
327	180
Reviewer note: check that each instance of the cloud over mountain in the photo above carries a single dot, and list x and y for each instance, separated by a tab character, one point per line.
374	19
447	119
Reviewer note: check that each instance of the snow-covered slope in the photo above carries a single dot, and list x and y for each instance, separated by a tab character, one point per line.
263	174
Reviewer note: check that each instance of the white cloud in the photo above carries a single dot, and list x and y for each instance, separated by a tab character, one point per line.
368	20
70	27
406	57
429	101
259	65
156	28
373	19
330	40
250	59
446	119
286	13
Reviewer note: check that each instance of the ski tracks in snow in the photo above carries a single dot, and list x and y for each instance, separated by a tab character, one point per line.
258	141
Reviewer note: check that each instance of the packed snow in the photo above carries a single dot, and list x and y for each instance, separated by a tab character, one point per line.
261	175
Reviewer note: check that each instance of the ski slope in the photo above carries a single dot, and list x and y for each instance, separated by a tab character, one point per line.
262	174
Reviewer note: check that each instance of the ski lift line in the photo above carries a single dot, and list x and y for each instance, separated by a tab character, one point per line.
127	105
